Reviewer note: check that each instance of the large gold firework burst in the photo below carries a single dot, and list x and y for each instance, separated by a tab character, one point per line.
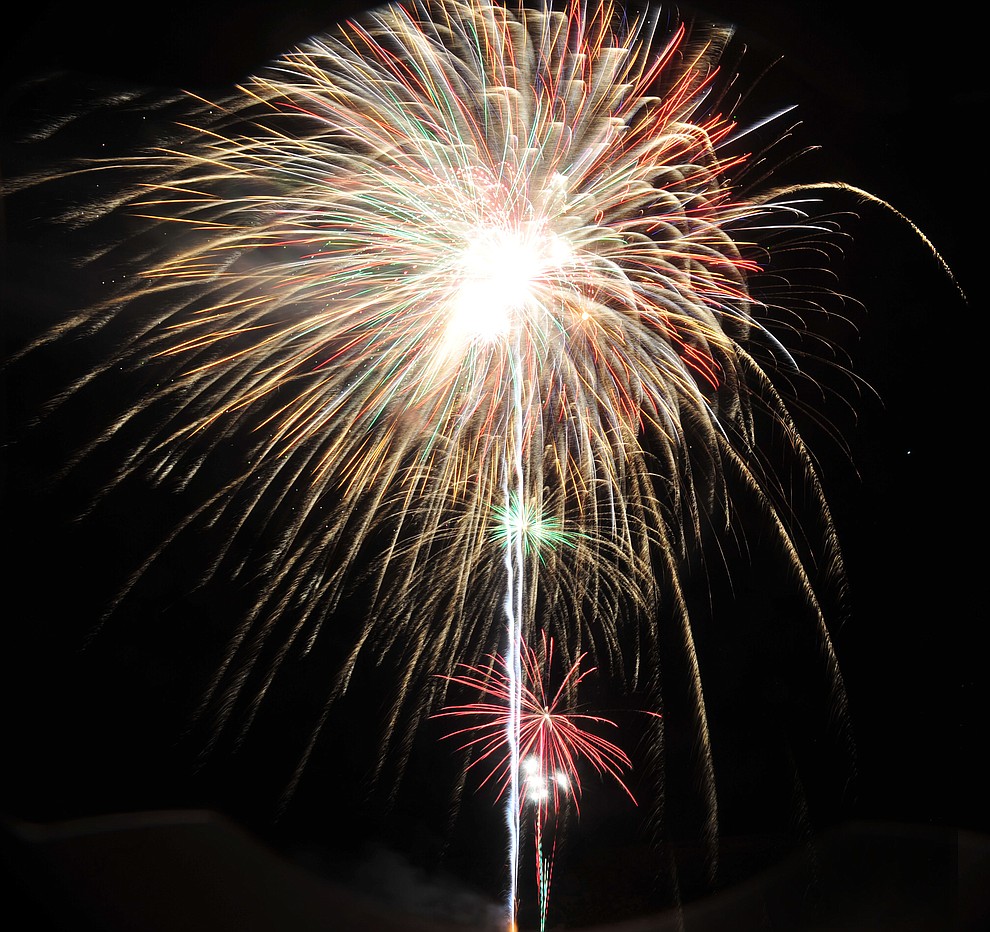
448	260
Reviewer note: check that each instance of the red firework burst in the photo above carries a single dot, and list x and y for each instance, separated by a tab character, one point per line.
553	736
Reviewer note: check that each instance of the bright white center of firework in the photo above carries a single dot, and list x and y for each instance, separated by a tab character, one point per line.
536	782
500	275
531	766
539	792
523	525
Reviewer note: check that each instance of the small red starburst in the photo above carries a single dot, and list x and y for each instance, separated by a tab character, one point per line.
553	737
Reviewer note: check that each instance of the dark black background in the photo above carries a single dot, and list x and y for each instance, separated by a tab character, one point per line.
895	100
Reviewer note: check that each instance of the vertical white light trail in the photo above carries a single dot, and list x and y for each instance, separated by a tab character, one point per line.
501	268
514	602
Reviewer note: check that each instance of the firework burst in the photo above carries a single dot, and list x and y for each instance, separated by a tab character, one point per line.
554	736
454	276
553	739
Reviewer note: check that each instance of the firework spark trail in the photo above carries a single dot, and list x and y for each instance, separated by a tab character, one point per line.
515	569
322	306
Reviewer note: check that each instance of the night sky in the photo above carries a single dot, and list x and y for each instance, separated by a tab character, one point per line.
105	724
